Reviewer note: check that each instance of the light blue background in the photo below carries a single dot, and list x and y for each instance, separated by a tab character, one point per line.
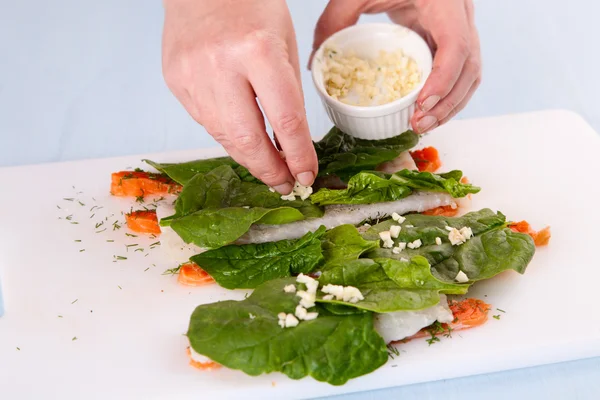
82	79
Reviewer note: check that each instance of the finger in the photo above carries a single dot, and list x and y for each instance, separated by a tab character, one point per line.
338	14
244	133
463	103
275	85
450	30
452	102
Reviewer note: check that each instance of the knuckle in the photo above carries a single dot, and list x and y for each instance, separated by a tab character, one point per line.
260	43
247	143
272	176
288	124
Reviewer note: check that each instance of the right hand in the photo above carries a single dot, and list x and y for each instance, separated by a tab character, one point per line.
218	57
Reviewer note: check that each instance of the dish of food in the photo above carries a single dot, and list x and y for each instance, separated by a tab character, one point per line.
381	250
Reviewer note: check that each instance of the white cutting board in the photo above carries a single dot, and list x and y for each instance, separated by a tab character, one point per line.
129	319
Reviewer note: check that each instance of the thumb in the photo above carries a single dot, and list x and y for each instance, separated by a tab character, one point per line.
338	14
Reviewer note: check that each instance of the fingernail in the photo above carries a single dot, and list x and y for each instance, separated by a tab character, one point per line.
425	123
429	103
306	178
284	188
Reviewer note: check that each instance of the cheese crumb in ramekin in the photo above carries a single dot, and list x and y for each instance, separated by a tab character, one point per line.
369	82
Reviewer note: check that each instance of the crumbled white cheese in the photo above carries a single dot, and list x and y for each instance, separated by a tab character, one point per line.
311	315
385	235
304	278
288	197
299	191
461	277
367	225
271	189
397	217
328	297
252	316
287	320
352	294
311	287
245	206
307	300
348	294
409	226
336	290
395	231
289	288
438	241
396	250
404	259
311	283
368	82
387	239
300	312
466	232
291	321
458	237
415	245
402	245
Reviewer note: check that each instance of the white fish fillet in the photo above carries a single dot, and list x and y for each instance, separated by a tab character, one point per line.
403	161
174	246
402	324
354	214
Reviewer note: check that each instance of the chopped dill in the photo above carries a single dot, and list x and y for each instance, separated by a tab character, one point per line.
78	240
75	223
146	269
68	198
74	301
69	217
110	240
392	351
74	338
497	316
172	271
80	203
82	250
155	244
116	225
119	258
100	231
130	234
139	199
500	310
92	216
99	224
119	287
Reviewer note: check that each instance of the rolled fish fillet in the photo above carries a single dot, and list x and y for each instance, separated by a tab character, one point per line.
336	215
174	246
399	325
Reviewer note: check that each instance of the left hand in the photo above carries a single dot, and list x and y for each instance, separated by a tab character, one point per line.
448	27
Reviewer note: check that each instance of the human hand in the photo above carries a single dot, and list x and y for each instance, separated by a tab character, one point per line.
218	58
449	29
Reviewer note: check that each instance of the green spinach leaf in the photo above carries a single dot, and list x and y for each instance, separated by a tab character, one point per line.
250	265
389	285
344	155
491	250
215	227
183	172
245	335
374	187
344	243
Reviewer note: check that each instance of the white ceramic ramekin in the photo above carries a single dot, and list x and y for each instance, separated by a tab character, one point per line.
366	40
